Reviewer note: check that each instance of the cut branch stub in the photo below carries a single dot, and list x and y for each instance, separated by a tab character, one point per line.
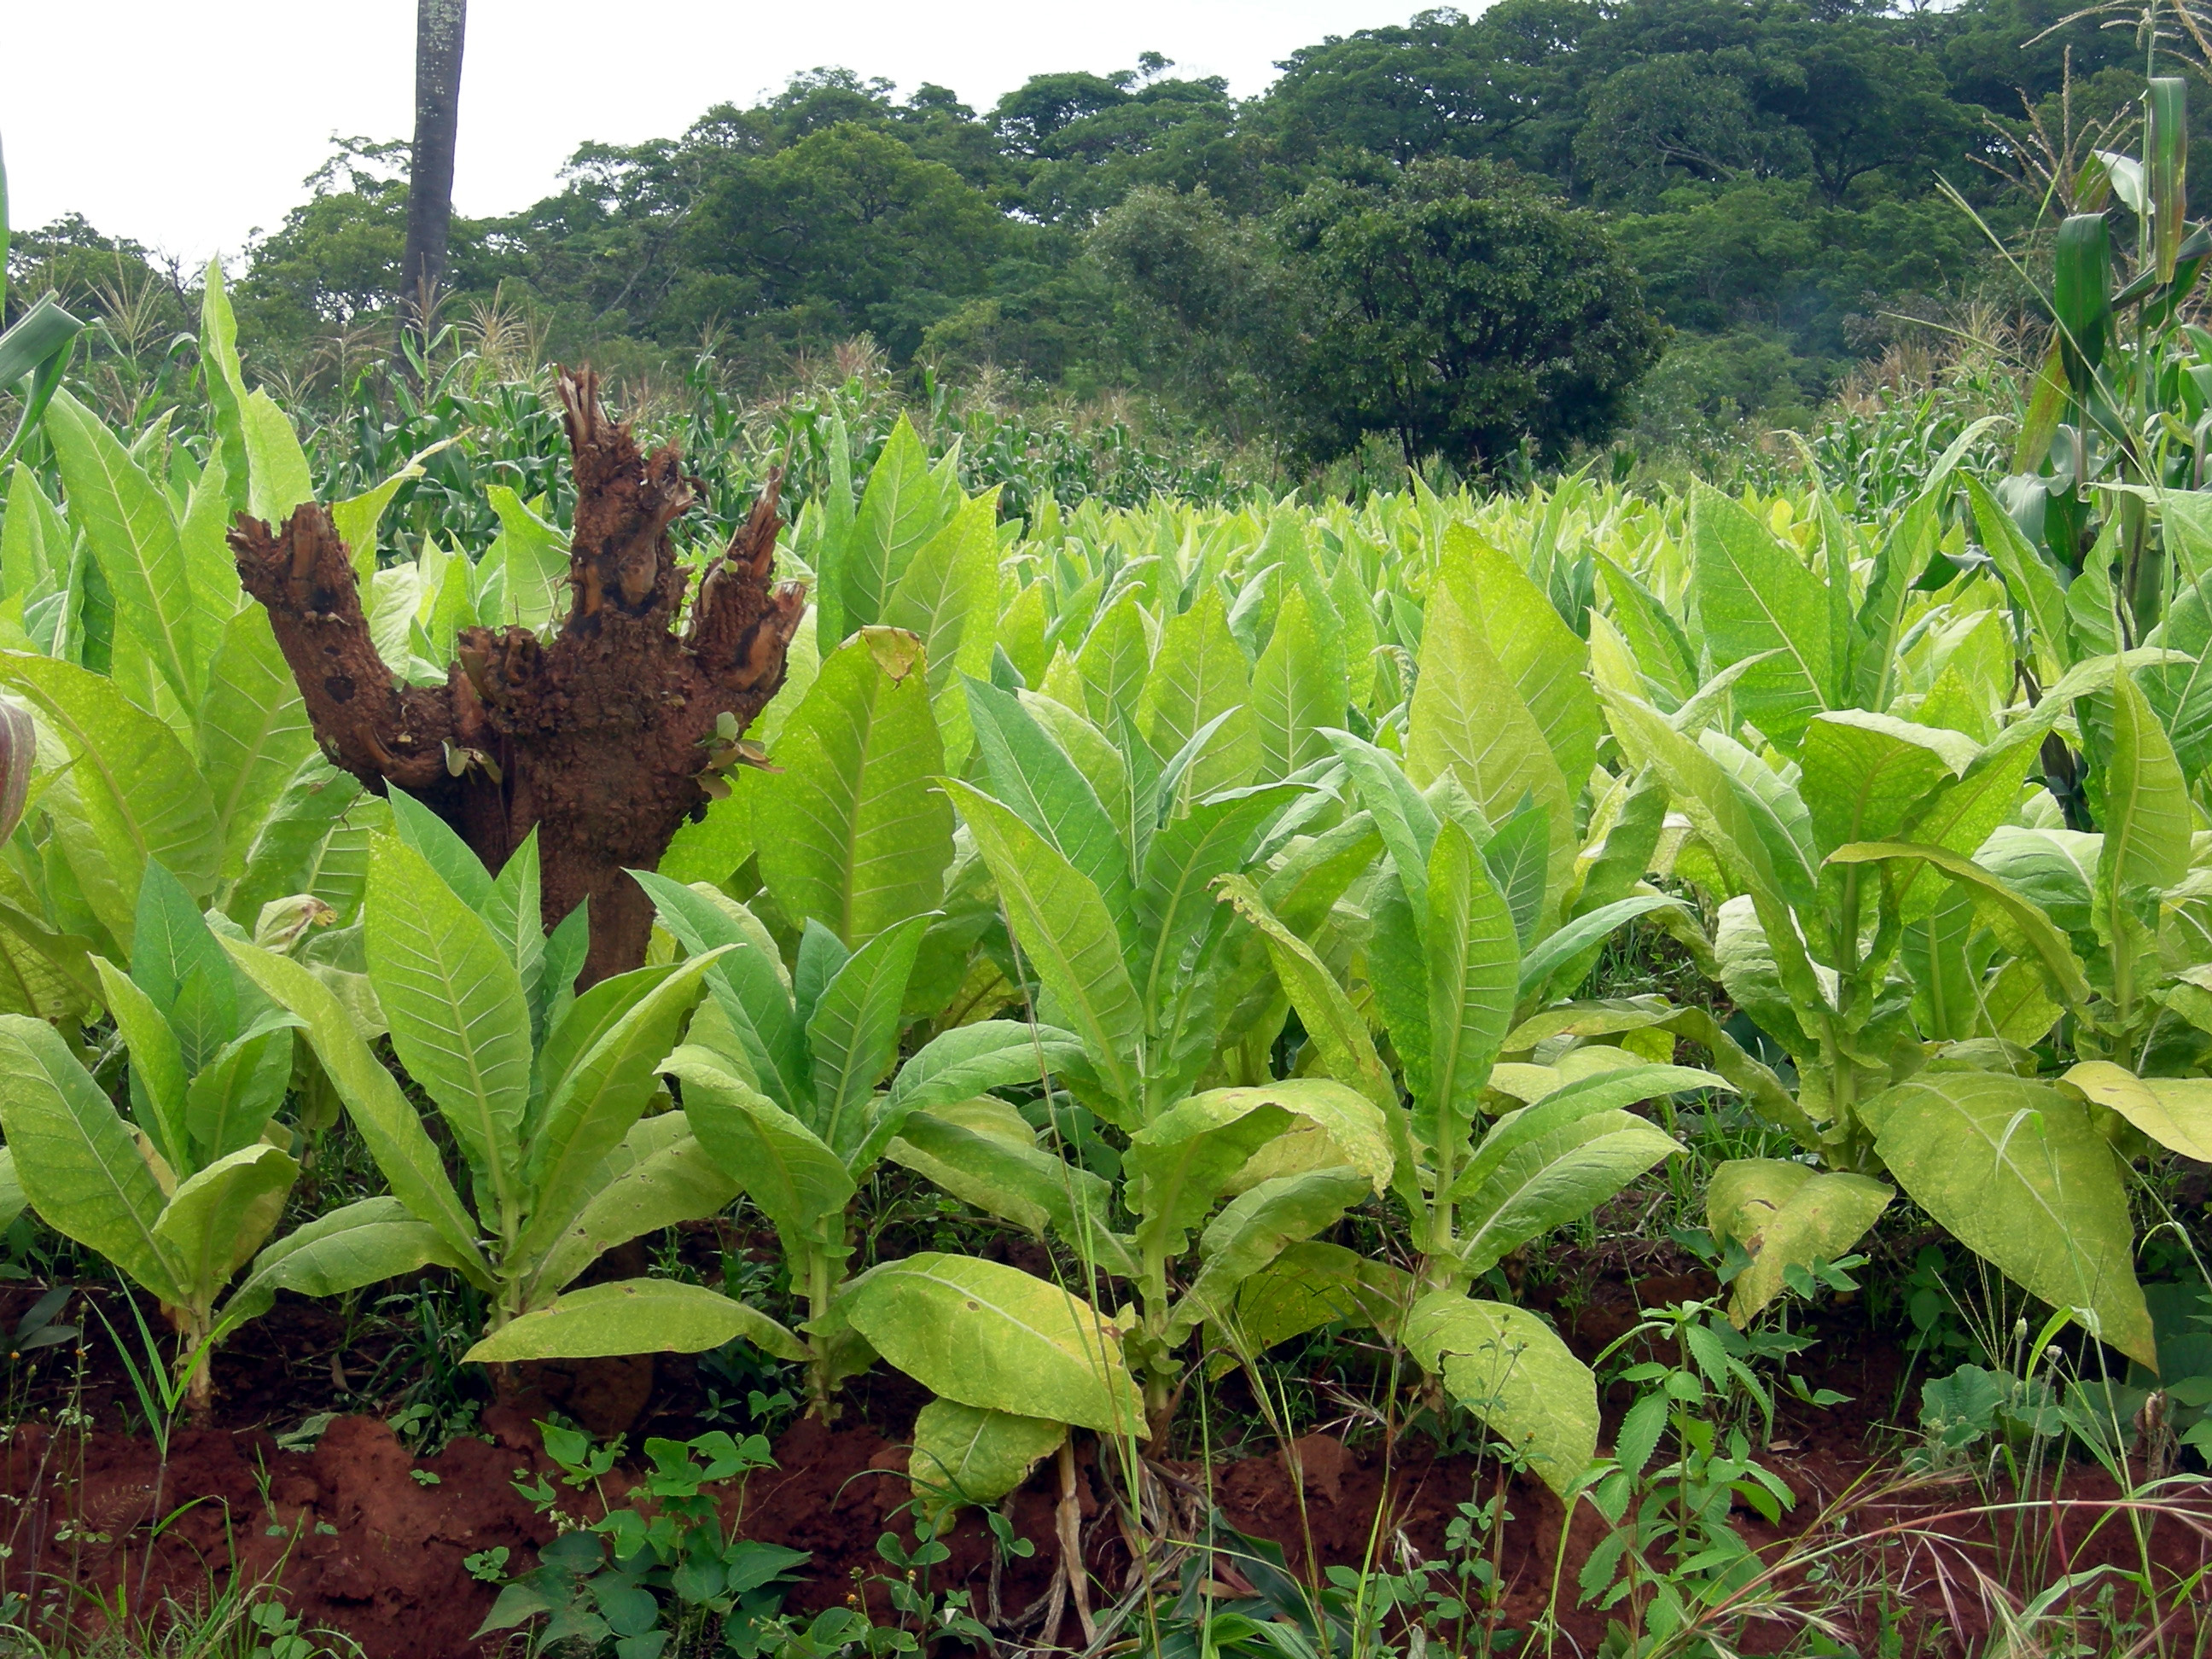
594	740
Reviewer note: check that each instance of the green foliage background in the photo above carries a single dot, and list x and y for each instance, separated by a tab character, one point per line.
1765	174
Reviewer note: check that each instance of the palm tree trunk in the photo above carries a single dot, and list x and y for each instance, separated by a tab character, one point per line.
440	27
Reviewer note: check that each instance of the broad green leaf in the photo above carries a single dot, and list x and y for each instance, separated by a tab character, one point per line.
946	598
357	1244
1130	797
76	1159
821	954
2181	693
144	797
1784	1215
225	380
177	963
1312	1284
355	519
217	1219
1116	659
1863	773
1661	652
951	581
44	971
1468	719
631	1315
1199	676
1181	1163
1518	855
590	1107
1069	934
1297	693
35	543
314	836
229	1103
1398	973
515	915
1254	1228
1474	973
255	733
1509	1368
157	1064
1032	774
1575	937
899	510
853	1033
852	832
748	983
969	1059
660	1176
534	558
276	465
2147	815
1406	821
1548	662
2017	1173
383	1117
2027	577
1590	1095
1744	957
455	1006
797	1181
983	1153
991	1336
1175	907
1332	1023
1740	826
1750	595
1960	816
1947	995
132	532
1777	797
2021	923
964	1455
2175	1112
1549	1180
443	850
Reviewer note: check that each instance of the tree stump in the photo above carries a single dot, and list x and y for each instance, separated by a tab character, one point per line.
599	740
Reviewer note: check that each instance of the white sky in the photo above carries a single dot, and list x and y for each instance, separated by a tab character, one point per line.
190	125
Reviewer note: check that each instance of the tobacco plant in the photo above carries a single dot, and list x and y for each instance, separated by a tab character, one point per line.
1107	892
779	1076
545	1090
1454	958
181	1194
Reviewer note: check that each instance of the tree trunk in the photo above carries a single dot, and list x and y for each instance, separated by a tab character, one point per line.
598	740
440	27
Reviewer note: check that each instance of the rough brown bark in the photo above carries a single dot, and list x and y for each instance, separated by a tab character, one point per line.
598	740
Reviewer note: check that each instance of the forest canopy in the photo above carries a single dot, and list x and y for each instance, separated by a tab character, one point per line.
1754	189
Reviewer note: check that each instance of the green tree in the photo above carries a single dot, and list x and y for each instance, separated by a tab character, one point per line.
847	230
1465	310
1655	122
1215	304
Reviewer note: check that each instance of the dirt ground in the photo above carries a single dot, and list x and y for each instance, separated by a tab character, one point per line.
363	1543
